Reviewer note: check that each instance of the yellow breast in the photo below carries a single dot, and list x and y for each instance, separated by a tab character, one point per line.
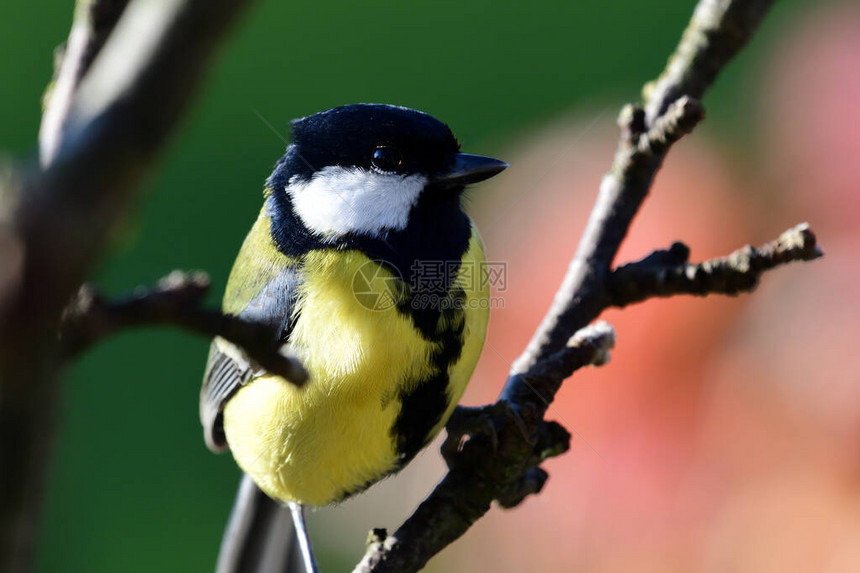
332	437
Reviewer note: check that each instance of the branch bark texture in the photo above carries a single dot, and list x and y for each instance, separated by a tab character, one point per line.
91	27
127	75
716	32
489	468
667	273
174	301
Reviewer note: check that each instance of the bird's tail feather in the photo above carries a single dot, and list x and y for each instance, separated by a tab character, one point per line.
260	537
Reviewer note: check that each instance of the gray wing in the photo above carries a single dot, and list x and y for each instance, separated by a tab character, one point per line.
229	368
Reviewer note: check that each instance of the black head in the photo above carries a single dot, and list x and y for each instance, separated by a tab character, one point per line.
371	172
378	137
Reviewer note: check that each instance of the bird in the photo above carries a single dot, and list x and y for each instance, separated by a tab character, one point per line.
363	262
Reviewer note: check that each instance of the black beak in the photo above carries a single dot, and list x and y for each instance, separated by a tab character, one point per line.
469	168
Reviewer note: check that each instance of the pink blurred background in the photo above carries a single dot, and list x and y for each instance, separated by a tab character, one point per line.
724	435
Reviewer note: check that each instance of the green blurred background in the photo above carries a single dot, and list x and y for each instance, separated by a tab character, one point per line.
132	487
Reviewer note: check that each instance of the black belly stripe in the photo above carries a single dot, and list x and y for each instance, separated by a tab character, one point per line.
423	406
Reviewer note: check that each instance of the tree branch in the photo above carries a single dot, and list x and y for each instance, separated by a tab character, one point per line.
492	454
111	120
639	155
537	386
175	301
667	273
716	32
92	25
508	440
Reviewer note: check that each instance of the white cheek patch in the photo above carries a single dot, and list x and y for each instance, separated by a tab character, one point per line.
339	200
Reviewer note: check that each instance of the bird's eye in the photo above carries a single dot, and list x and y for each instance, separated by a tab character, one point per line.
386	159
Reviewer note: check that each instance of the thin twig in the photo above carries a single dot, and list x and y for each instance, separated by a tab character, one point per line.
640	154
175	301
666	273
539	384
716	32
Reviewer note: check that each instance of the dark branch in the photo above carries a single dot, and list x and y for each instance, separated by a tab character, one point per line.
93	23
666	273
640	154
114	117
538	386
175	301
493	453
717	31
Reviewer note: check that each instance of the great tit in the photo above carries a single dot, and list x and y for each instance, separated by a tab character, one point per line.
363	261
